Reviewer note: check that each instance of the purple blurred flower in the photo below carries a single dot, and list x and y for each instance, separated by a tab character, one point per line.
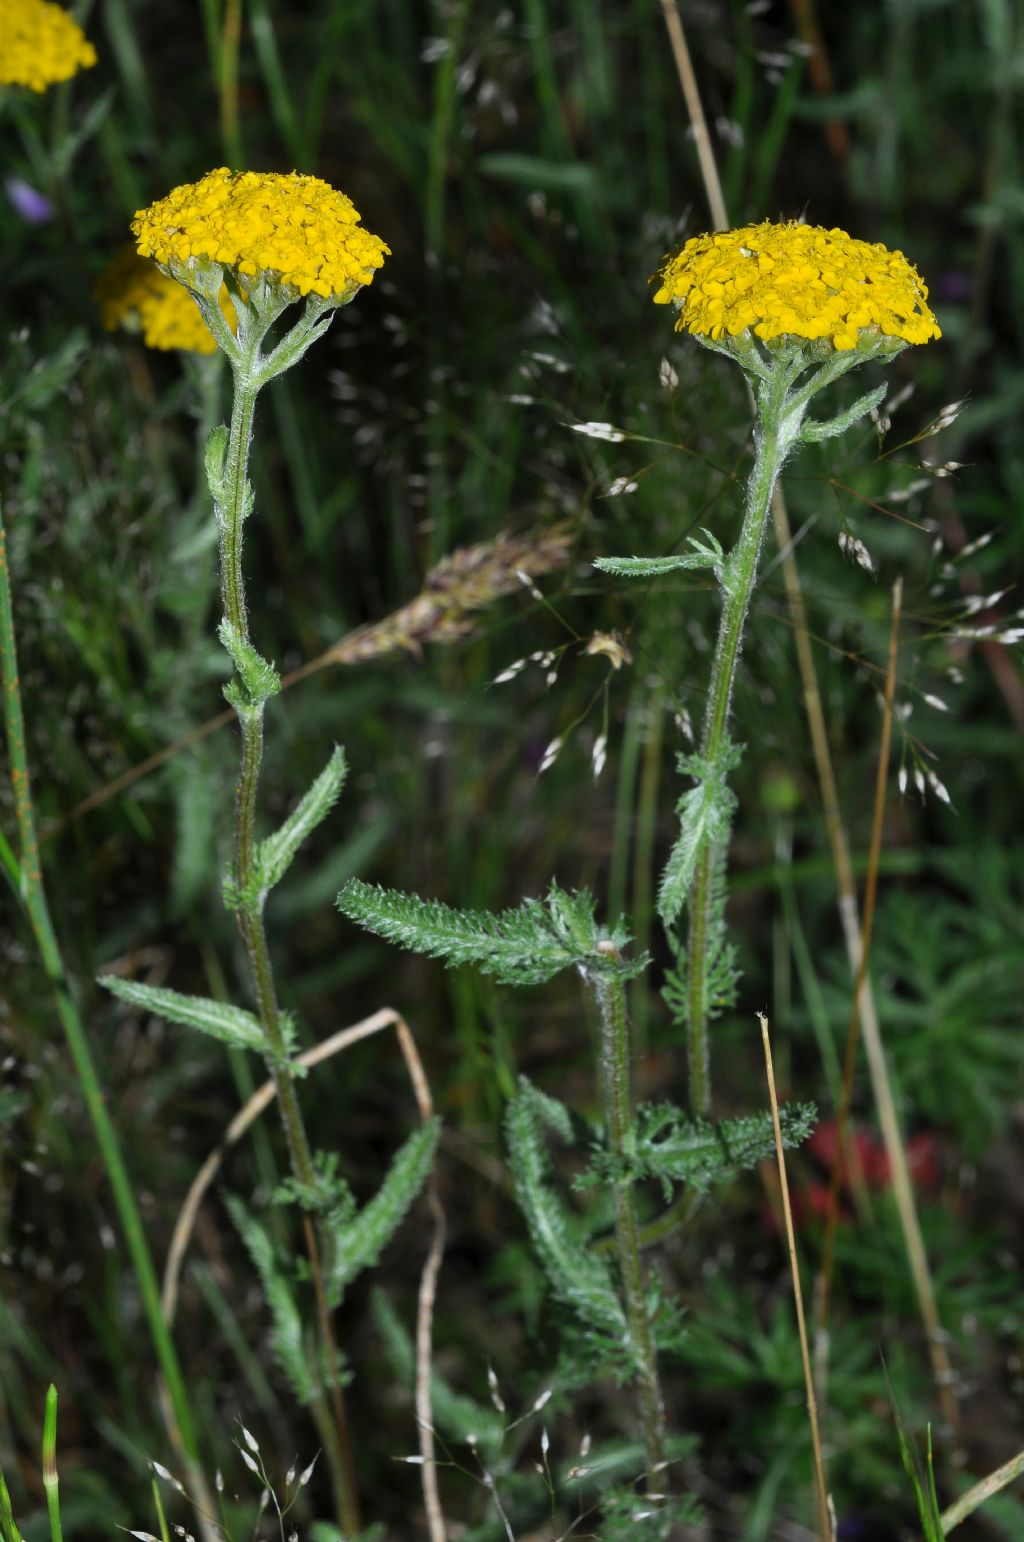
27	202
863	1528
953	285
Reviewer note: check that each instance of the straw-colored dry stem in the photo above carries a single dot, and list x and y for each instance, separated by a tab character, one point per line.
824	1520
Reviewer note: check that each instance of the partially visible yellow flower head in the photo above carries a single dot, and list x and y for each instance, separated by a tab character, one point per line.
296	229
40	44
133	293
797	281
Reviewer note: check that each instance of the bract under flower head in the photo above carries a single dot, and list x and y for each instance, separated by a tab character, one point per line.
40	44
133	293
796	281
297	230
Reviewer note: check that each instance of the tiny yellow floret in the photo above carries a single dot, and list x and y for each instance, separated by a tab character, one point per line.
297	230
40	44
794	280
134	294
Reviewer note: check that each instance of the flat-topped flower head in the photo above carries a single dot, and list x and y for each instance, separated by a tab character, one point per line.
133	293
798	281
40	44
297	231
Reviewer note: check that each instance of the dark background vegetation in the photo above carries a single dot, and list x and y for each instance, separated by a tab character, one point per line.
529	166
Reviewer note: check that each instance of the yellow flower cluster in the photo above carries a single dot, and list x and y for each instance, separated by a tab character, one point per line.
133	293
40	44
296	229
798	281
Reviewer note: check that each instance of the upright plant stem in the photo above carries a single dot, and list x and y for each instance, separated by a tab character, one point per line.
738	586
231	515
33	897
51	1482
611	999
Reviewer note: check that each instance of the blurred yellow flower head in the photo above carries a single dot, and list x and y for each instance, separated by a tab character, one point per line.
796	281
40	44
297	230
133	293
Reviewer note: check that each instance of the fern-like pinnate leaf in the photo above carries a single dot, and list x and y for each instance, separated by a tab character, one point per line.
516	946
214	456
274	855
286	1341
259	677
232	1025
359	1240
705	819
708	554
527	946
721	975
578	1278
673	1147
815	429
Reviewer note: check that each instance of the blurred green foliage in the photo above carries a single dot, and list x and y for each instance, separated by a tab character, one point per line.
529	165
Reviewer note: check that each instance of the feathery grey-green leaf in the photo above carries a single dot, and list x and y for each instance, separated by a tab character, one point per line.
579	1279
705	818
214	453
815	429
274	854
672	1146
259	677
359	1241
710	555
518	947
721	975
230	1024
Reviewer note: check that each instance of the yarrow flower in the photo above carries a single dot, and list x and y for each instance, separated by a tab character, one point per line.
133	293
40	44
296	230
801	281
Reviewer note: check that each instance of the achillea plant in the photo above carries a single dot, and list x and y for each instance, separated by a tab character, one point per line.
40	45
273	242
615	1321
797	307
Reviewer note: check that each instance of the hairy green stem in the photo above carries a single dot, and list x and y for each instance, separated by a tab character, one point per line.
32	893
250	917
615	1093
773	435
231	513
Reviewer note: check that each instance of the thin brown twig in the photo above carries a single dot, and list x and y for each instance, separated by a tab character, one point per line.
824	1508
888	1118
425	1304
870	893
695	108
246	1116
976	1496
